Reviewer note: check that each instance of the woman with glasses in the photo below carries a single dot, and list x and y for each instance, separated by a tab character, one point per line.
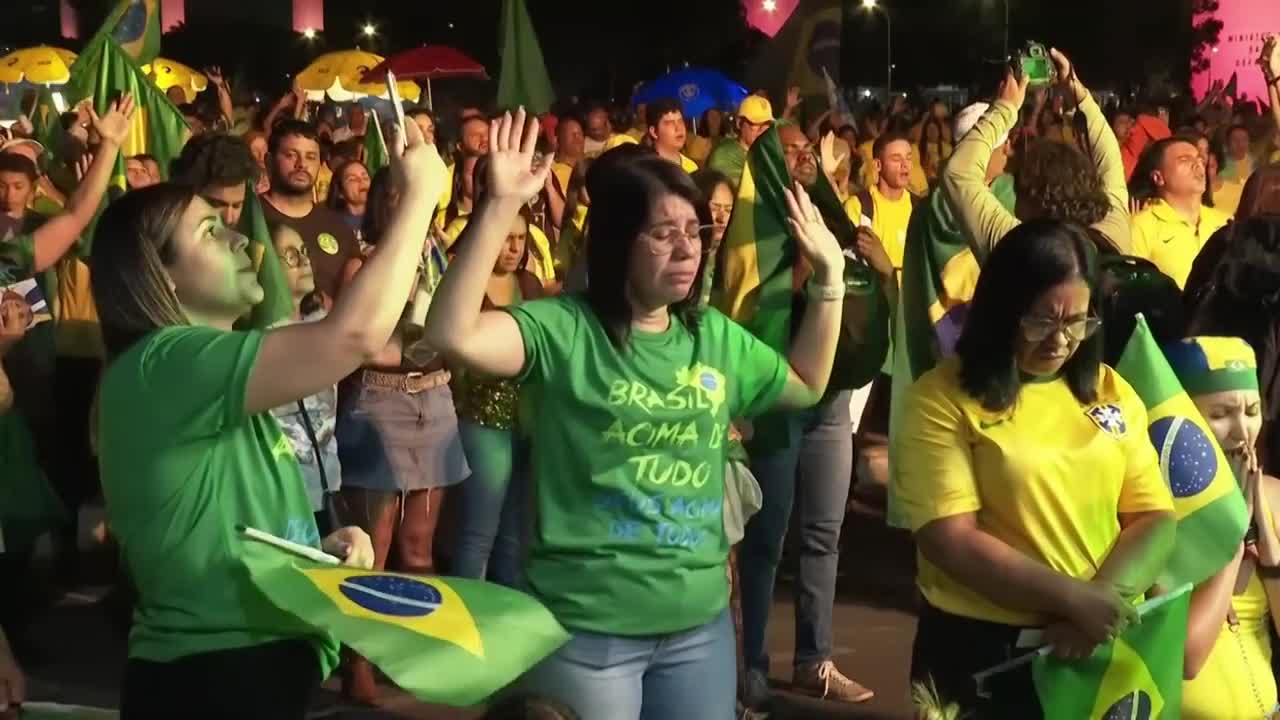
309	423
630	388
1025	473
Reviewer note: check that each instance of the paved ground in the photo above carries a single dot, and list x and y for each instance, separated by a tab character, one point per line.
79	655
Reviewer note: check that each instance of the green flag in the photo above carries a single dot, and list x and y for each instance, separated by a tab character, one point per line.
1138	675
758	273
1211	510
939	274
375	147
277	300
445	640
135	26
103	72
524	79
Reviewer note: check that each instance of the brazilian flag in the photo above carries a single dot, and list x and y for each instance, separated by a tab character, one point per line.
1138	676
761	273
445	640
277	300
939	275
135	26
1212	515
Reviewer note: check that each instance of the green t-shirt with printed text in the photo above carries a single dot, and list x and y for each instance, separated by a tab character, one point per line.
182	465
629	450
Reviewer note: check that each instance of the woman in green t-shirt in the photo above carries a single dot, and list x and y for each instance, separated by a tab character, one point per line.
628	391
189	448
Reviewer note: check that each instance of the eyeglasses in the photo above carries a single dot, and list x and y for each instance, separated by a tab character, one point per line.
1037	329
662	239
295	257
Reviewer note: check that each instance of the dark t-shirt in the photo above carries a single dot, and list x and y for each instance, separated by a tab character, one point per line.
328	239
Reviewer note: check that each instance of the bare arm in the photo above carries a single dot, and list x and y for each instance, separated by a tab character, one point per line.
225	105
1210	603
366	314
488	342
813	349
53	239
1270	64
1139	553
1003	575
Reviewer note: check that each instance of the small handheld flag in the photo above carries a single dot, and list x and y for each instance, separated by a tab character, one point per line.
445	640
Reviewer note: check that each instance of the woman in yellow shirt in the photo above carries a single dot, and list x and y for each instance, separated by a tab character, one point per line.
1024	471
1228	653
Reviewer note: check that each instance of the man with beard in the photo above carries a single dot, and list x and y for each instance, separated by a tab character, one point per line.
293	159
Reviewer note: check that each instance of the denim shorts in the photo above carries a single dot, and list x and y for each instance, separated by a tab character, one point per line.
396	441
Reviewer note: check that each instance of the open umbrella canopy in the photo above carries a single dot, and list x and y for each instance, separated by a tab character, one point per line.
340	76
427	62
170	73
41	65
697	89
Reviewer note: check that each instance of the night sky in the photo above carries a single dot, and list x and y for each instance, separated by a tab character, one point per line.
596	52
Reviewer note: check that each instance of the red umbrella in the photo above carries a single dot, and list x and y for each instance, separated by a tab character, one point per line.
427	63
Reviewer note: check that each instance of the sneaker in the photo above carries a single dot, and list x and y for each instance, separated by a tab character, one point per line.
824	681
755	691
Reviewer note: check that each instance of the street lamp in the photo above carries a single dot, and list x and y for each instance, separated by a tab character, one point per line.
769	5
309	34
370	30
872	6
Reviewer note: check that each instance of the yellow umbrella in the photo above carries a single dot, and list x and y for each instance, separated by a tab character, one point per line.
337	74
169	73
42	64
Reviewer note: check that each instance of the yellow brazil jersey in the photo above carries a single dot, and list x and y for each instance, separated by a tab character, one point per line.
1048	477
1227	198
1163	236
888	220
1239	664
689	166
562	172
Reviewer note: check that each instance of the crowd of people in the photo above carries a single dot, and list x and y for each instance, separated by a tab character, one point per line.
513	354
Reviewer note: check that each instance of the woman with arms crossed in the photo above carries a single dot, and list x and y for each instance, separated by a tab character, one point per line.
631	387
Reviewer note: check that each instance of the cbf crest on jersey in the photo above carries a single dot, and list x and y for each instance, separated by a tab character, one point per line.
1110	418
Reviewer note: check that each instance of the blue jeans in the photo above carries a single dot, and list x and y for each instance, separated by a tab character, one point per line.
813	470
689	674
491	527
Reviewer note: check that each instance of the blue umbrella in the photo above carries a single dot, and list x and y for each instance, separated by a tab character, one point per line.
697	89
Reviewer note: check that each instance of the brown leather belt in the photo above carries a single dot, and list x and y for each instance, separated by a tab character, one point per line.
407	382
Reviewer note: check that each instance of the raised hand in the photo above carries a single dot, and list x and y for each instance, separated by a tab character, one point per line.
113	127
415	163
1014	89
1067	74
1269	60
815	241
793	97
512	172
214	73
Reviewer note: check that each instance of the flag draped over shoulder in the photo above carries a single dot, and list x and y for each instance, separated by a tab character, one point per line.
1212	515
277	299
135	27
1138	675
939	275
524	80
448	641
760	271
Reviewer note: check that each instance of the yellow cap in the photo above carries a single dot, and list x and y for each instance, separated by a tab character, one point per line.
756	109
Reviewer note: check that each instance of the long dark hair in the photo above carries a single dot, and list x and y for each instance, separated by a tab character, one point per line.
335	201
378	208
623	192
1031	259
132	245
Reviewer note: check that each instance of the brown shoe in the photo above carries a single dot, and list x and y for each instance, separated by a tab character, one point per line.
824	681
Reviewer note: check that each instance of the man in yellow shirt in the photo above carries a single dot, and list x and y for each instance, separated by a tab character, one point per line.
667	132
1171	230
885	207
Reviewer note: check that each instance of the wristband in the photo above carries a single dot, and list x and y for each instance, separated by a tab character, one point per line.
825	293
